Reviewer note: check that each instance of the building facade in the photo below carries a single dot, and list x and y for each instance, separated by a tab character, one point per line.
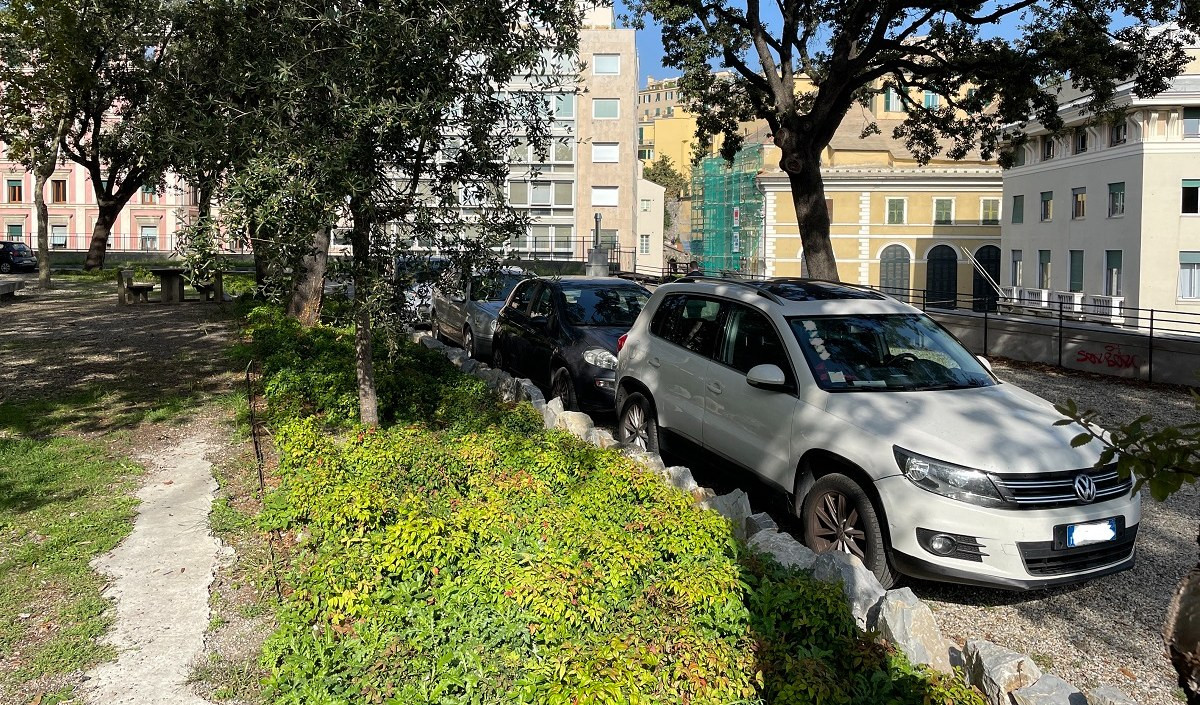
1103	217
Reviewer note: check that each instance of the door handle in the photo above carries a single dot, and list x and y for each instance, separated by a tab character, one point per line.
715	387
655	362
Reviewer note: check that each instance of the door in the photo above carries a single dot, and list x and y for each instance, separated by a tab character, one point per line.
747	425
894	264
941	278
540	335
514	322
677	360
982	294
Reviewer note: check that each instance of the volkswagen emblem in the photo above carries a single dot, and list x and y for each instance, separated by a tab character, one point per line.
1085	488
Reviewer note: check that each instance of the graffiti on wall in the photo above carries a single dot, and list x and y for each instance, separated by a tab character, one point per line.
1111	357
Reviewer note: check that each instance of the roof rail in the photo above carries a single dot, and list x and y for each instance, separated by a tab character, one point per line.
756	285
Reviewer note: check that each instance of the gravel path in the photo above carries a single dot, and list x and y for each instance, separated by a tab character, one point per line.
1108	631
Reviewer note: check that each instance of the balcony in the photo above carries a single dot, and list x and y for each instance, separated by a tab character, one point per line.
1074	304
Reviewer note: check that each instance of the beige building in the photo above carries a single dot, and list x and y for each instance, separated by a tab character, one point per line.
1104	217
650	253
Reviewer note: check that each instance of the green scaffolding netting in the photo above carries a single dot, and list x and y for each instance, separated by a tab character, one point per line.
727	212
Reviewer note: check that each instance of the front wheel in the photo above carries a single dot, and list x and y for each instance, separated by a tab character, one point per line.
561	385
838	515
5	267
498	356
469	343
436	327
638	424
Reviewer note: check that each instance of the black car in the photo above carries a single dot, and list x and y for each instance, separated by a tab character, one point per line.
16	256
562	334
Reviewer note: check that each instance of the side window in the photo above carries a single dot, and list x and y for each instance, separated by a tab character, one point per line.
543	305
523	295
688	321
751	340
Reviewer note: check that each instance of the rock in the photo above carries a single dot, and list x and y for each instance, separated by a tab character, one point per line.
601	438
576	423
680	477
1049	690
530	391
909	624
996	671
760	522
734	506
469	366
416	335
510	390
455	356
1108	695
702	493
431	342
550	414
650	460
860	585
785	549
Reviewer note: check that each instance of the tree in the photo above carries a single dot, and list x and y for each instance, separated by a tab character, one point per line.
662	172
802	71
1161	460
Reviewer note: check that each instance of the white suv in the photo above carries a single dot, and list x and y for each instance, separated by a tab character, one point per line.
894	442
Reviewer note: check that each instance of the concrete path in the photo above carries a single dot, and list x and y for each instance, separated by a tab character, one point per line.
161	574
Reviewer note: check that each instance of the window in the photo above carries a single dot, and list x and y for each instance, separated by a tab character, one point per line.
931	100
607	108
524	294
989	211
540	192
891	101
563	150
58	191
1112	272
643	244
1076	266
1043	269
1191	122
604	195
687	321
657	112
518	193
606	64
519	152
646	154
1116	133
1047	212
1191	195
1081	141
1047	148
1019	156
148	196
943	211
896	211
645	205
541	241
1018	209
149	235
1189	275
1078	203
1116	199
14	191
605	153
564	106
58	236
15	231
608	238
564	193
750	340
1016	268
543	305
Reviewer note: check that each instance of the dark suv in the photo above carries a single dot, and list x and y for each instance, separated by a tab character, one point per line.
562	334
16	256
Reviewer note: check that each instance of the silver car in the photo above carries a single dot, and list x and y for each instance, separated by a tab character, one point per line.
466	310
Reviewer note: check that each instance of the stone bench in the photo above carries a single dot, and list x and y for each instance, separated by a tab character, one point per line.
9	289
129	292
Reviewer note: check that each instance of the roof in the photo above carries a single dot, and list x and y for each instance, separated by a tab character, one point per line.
796	296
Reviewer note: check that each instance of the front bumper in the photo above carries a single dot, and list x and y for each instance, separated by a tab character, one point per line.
1008	538
596	390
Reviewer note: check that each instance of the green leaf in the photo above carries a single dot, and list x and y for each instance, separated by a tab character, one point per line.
1081	440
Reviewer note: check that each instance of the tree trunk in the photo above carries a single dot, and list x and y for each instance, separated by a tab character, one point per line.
1182	634
40	176
802	164
360	242
105	218
309	283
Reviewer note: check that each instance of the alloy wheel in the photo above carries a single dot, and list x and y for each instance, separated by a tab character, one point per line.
633	426
469	341
836	525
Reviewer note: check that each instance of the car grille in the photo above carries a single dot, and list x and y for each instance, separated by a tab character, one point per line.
1057	489
1041	558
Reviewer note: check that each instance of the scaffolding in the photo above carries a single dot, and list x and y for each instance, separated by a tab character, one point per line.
727	213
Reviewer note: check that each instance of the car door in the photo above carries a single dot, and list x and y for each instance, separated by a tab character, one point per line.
540	335
677	360
748	425
514	322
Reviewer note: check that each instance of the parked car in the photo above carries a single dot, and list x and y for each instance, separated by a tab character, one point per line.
415	276
894	443
16	256
562	334
466	310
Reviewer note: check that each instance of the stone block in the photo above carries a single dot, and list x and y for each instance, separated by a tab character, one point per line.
530	391
455	356
650	460
861	587
996	671
551	411
601	438
576	423
1108	695
469	366
680	477
734	506
760	522
416	335
510	390
1049	690
785	549
432	343
908	623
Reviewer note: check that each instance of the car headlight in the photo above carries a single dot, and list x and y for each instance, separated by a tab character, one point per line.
494	324
953	481
600	358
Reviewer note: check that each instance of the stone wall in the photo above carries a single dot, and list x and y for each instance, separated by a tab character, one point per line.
1004	677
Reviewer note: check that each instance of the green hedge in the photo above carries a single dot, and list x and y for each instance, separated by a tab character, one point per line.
473	557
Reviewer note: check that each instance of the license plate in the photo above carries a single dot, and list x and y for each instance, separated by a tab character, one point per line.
1094	532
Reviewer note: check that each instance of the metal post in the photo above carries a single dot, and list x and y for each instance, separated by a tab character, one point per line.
985	327
596	234
923	295
1150	354
1060	332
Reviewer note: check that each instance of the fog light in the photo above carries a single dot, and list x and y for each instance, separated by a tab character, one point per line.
942	544
605	383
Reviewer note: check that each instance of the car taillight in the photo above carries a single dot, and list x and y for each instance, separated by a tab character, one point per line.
621	341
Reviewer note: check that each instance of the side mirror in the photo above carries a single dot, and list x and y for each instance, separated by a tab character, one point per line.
768	377
984	361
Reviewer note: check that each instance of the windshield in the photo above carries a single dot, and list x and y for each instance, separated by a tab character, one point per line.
905	352
494	287
20	248
603	305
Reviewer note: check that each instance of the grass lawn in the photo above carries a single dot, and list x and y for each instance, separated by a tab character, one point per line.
62	502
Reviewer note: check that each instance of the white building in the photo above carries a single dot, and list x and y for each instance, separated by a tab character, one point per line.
1107	214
